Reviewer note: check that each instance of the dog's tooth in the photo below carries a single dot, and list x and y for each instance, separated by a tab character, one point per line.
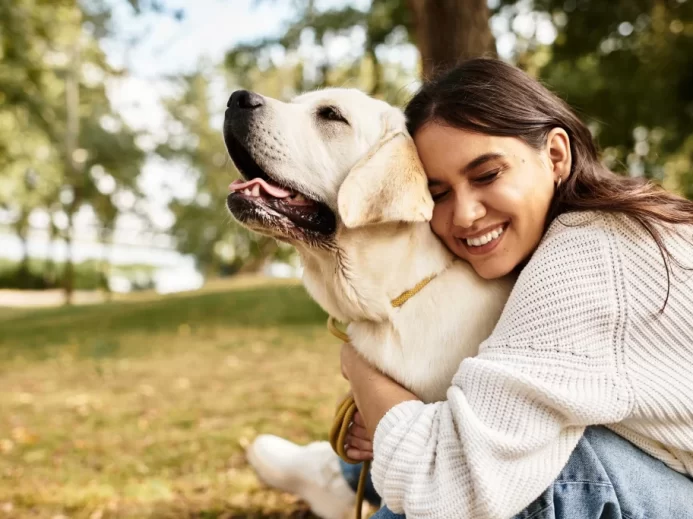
256	190
246	191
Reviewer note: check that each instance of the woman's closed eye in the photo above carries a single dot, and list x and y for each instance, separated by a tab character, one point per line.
439	193
488	177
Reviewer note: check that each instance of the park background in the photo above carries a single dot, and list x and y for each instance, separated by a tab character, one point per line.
145	338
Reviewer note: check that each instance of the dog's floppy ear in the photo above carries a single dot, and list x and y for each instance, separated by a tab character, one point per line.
388	185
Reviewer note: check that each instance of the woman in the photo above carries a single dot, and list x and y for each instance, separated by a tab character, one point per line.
598	330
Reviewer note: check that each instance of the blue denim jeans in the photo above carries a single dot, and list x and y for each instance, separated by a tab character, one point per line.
606	477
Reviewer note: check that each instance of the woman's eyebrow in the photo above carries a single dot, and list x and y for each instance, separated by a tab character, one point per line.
480	160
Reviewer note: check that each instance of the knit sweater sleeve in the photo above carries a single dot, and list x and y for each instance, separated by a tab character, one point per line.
515	412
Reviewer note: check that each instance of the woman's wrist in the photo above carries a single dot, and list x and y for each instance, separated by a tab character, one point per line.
375	394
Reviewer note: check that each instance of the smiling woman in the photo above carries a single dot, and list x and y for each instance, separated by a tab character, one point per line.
597	330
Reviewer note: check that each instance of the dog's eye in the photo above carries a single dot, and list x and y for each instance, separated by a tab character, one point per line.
330	113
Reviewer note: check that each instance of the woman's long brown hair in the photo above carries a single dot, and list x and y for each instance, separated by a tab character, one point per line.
491	97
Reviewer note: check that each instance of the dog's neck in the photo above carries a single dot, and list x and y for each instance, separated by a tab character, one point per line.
372	266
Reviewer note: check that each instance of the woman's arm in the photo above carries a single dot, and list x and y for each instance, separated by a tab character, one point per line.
516	411
375	393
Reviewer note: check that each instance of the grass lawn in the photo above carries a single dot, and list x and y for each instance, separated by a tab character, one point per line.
142	409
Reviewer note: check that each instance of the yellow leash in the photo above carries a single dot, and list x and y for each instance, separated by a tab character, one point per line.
406	296
346	410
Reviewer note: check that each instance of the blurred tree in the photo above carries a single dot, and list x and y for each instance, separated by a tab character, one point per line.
625	65
382	27
448	31
57	119
201	226
444	31
628	67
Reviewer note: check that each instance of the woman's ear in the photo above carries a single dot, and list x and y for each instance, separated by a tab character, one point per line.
558	150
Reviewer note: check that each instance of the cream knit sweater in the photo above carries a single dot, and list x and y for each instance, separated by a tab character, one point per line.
580	342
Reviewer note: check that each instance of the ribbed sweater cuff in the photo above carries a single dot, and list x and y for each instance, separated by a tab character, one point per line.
405	411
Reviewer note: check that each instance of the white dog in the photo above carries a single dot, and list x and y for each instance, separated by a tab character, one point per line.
335	174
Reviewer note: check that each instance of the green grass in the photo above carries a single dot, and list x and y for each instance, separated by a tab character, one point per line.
143	409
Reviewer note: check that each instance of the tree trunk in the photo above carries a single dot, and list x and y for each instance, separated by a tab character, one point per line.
106	239
69	268
49	270
376	85
22	230
71	166
450	31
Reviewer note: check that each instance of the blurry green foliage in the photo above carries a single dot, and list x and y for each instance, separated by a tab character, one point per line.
41	275
59	143
626	66
202	226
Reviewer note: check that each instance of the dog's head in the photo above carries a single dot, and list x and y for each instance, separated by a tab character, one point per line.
328	158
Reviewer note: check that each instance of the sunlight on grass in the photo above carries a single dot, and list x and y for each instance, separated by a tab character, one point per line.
144	409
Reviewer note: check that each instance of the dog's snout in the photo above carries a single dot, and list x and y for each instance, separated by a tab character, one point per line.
242	113
245	100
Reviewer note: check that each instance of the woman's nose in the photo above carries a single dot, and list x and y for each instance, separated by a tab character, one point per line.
468	209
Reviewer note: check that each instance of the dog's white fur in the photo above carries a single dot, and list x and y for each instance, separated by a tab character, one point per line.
369	174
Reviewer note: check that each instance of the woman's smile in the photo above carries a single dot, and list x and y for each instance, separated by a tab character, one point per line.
483	242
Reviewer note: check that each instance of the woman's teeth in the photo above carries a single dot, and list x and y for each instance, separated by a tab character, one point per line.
486	238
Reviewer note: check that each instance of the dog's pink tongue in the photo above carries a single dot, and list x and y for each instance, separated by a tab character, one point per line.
275	191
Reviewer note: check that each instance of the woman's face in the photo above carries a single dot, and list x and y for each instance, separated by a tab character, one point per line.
492	194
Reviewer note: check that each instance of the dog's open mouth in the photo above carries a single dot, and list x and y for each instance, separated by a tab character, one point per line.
257	199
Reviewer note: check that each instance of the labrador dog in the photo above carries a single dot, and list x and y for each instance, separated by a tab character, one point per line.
335	174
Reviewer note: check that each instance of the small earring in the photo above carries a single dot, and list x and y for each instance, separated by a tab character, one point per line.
558	184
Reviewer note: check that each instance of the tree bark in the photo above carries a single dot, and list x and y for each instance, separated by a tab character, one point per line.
49	271
71	167
22	230
106	239
450	31
69	267
376	84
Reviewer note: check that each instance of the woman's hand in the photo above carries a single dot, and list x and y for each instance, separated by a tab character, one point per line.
375	394
359	443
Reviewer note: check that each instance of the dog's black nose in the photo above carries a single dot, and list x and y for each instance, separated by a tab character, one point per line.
245	100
